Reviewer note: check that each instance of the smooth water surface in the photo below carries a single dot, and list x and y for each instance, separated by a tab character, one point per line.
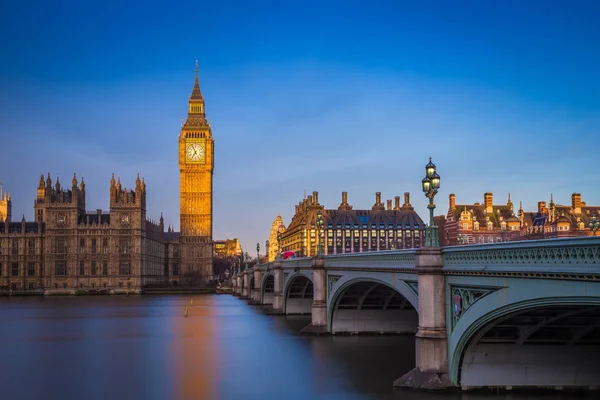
143	347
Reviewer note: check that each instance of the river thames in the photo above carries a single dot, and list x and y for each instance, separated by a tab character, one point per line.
143	347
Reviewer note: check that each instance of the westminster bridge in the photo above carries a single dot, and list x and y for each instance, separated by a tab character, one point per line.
508	315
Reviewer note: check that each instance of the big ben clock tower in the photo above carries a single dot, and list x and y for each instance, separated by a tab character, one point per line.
196	164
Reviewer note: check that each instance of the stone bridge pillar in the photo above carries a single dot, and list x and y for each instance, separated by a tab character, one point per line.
431	340
246	291
278	295
238	286
256	291
318	322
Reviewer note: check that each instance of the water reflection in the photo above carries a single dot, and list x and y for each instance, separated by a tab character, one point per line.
135	347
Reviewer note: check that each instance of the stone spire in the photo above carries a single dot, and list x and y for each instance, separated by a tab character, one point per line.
82	184
74	181
196	116
196	94
112	180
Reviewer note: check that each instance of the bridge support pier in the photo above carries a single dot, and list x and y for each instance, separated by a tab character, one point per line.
256	291
238	288
318	322
278	289
431	371
246	291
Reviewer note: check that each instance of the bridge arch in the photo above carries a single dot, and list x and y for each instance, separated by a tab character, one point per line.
364	304
298	293
537	342
267	288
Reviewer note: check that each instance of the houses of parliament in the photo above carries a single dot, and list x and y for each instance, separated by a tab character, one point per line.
67	249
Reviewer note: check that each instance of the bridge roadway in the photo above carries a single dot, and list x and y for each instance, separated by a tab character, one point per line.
508	315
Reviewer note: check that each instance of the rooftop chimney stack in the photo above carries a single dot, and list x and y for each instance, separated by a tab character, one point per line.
316	197
452	201
397	203
407	199
576	202
389	204
488	200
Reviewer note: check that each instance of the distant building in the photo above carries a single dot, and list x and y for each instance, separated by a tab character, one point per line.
276	227
5	205
346	230
480	222
68	248
227	248
492	223
555	220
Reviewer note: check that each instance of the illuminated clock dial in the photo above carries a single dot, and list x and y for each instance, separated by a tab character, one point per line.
194	152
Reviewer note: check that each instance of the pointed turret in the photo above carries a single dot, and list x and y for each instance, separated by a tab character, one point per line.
196	115
74	181
196	94
48	181
41	183
138	183
82	184
112	180
57	186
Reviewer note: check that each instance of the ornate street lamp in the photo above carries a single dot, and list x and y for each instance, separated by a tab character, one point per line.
257	253
278	257
594	224
319	233
431	184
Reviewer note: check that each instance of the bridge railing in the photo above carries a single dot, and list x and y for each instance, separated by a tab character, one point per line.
385	259
568	255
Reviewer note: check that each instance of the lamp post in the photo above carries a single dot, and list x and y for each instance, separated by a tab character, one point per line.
319	224
594	224
257	253
267	249
278	257
431	184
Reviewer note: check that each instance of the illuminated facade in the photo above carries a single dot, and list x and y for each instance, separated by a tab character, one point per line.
5	206
491	223
68	249
480	222
227	248
196	165
276	227
346	230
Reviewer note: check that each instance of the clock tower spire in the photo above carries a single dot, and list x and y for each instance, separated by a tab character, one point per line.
196	165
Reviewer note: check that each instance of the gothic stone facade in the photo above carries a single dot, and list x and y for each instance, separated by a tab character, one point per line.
196	166
68	249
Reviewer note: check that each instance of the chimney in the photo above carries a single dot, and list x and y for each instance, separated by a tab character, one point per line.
452	201
576	203
389	204
407	199
344	204
296	210
316	197
397	203
378	204
541	206
488	200
310	199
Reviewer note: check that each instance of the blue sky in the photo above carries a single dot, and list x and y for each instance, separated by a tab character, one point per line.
326	96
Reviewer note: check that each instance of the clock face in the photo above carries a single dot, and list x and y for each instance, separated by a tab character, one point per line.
194	152
125	219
